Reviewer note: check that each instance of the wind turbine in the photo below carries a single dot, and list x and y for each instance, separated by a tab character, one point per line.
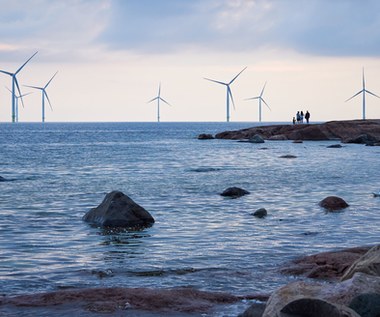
16	85
363	91
17	98
158	98
229	93
44	94
261	99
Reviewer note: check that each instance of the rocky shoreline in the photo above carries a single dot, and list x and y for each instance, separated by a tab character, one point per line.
341	278
350	131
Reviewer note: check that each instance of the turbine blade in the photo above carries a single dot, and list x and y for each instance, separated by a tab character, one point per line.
50	80
159	90
28	93
47	97
34	87
266	104
8	89
25	63
230	94
371	93
152	100
363	79
237	76
19	91
165	101
262	91
252	98
5	72
354	95
216	81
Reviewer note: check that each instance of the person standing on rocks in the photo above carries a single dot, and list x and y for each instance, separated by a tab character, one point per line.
298	116
307	116
301	116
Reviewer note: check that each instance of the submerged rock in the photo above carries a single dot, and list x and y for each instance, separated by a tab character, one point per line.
234	192
288	156
333	203
118	210
260	213
334	146
2	179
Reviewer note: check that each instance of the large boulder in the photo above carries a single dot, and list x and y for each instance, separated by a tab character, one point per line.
314	307
205	136
333	203
260	213
234	192
369	263
118	210
341	293
366	305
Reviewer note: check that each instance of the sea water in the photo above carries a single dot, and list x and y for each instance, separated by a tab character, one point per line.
56	172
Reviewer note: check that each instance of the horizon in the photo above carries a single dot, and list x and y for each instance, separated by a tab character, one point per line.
111	56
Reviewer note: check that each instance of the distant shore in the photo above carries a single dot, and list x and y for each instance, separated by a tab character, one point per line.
348	131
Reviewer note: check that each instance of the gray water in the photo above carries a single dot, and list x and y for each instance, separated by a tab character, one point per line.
56	172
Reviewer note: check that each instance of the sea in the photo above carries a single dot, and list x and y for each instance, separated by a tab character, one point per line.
56	172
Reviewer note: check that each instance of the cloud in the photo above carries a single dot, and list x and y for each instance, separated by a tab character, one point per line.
340	27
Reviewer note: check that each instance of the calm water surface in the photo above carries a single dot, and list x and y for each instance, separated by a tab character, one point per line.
58	171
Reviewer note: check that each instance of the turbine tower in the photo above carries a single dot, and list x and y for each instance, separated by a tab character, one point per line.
44	94
17	98
158	98
16	85
229	93
261	99
363	91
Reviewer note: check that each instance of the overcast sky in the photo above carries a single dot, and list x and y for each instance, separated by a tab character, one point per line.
111	56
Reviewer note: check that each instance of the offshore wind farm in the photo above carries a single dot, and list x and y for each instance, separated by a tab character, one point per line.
117	203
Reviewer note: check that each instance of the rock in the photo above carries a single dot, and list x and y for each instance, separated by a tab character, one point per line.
366	305
256	139
278	137
333	203
314	307
118	210
288	156
255	310
297	141
162	302
361	139
2	179
234	192
334	130
369	264
205	136
341	293
334	146
326	265
260	213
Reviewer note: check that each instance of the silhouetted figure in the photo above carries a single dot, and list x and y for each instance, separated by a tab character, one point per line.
298	116
294	120
307	116
301	116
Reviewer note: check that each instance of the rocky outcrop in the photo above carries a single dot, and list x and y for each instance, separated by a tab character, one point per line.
118	210
205	136
333	203
234	192
354	131
369	263
341	293
120	300
326	265
256	139
366	305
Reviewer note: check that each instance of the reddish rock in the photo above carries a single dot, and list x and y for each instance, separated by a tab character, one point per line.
333	203
111	300
326	265
346	131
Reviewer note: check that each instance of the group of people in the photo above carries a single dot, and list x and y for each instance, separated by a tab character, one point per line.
300	116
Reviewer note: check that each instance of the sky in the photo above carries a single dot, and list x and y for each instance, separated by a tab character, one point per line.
112	55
